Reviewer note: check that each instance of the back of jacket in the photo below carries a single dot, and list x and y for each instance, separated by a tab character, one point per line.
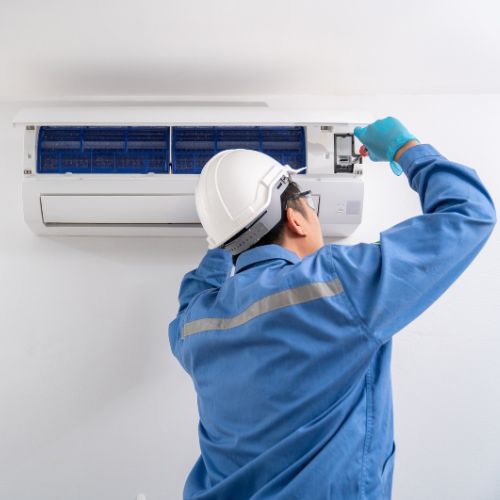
290	358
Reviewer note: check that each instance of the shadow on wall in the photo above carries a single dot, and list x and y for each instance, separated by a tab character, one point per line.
137	251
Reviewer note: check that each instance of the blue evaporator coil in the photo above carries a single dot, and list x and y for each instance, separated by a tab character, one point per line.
194	146
140	150
103	150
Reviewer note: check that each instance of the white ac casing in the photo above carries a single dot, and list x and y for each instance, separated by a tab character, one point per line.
73	204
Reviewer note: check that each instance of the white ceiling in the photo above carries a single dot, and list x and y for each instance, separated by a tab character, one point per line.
59	48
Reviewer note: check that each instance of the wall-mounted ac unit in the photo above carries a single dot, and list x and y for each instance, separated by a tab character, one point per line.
132	170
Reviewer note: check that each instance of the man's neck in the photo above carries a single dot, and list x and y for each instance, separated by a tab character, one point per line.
289	245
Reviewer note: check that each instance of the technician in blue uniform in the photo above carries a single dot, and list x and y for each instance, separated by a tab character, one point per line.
290	356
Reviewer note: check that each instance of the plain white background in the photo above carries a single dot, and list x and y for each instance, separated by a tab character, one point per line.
93	405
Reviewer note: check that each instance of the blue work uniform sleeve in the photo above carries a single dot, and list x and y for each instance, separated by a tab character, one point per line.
213	271
390	283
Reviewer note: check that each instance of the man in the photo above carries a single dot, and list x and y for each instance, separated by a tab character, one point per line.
290	356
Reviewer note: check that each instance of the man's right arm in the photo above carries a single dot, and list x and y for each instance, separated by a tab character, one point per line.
214	269
389	284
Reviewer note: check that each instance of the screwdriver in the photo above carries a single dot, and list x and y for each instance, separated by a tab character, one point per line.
363	151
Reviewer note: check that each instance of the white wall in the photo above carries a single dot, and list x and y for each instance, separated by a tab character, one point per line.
97	47
94	406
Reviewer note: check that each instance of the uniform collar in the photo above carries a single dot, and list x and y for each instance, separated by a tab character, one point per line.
262	253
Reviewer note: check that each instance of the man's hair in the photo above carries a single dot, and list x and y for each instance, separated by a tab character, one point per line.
276	234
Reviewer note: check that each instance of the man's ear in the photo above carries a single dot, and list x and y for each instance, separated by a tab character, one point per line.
295	222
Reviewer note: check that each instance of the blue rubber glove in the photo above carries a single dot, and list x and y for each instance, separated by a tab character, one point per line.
383	138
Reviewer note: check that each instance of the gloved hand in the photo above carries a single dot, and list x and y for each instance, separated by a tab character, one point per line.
383	138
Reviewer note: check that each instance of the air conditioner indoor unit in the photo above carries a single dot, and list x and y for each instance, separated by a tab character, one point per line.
132	170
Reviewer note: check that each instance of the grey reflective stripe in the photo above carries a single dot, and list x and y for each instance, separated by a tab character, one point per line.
289	297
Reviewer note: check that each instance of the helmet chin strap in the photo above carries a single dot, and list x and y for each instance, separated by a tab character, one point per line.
262	224
295	170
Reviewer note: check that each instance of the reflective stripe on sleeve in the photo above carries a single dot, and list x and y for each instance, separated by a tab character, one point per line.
290	297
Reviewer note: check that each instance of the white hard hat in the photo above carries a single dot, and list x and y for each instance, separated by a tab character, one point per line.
238	197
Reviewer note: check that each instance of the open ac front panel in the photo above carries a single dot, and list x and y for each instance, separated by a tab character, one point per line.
139	179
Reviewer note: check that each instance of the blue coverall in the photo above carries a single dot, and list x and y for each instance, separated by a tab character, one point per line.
290	358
